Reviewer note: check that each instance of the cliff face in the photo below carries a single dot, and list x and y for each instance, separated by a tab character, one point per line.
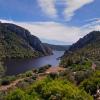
88	39
87	47
16	41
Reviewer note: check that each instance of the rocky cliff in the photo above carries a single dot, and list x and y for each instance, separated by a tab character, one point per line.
16	41
86	48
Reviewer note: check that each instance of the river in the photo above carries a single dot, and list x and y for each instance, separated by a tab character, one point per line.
17	66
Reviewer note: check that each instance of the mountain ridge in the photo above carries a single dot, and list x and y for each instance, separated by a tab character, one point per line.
57	47
19	41
87	47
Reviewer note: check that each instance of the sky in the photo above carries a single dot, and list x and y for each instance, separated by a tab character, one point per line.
60	22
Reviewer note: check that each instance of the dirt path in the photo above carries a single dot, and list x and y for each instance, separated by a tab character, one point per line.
54	70
40	76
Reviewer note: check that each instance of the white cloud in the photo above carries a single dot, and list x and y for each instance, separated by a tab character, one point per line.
48	7
53	31
56	31
74	5
93	19
71	6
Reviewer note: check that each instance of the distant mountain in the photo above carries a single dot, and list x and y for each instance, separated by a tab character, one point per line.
87	47
16	41
57	47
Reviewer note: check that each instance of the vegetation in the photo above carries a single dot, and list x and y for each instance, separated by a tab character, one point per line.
49	89
43	69
17	42
82	61
91	84
13	46
2	70
79	81
7	80
84	52
18	95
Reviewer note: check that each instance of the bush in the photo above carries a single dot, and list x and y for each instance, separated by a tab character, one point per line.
57	89
22	85
43	69
18	95
49	89
82	75
2	70
29	80
53	75
5	82
90	85
28	73
2	95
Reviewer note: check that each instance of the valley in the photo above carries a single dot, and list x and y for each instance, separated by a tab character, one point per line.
49	49
57	71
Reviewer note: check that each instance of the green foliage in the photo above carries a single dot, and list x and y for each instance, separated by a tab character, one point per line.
43	69
58	89
7	80
13	46
76	77
53	75
2	70
18	95
22	85
2	95
83	52
77	64
49	89
28	73
79	76
91	84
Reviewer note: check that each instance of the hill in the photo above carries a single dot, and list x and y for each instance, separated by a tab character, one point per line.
16	41
85	50
58	47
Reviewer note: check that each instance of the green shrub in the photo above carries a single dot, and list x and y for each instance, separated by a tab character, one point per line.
2	95
28	73
7	80
57	89
18	95
43	69
22	85
82	75
91	84
53	75
2	70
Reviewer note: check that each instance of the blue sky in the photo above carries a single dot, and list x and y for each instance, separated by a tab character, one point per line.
53	21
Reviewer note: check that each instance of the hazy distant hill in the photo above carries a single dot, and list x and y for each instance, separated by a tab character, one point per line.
85	48
58	47
16	41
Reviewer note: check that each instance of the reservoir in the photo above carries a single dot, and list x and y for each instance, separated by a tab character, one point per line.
17	66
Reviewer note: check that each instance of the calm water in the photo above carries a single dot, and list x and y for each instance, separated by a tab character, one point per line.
16	66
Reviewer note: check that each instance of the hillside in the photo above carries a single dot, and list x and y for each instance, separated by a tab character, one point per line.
86	49
58	47
16	41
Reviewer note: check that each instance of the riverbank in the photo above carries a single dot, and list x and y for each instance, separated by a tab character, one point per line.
38	76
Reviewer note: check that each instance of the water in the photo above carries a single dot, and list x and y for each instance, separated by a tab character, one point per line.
17	66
